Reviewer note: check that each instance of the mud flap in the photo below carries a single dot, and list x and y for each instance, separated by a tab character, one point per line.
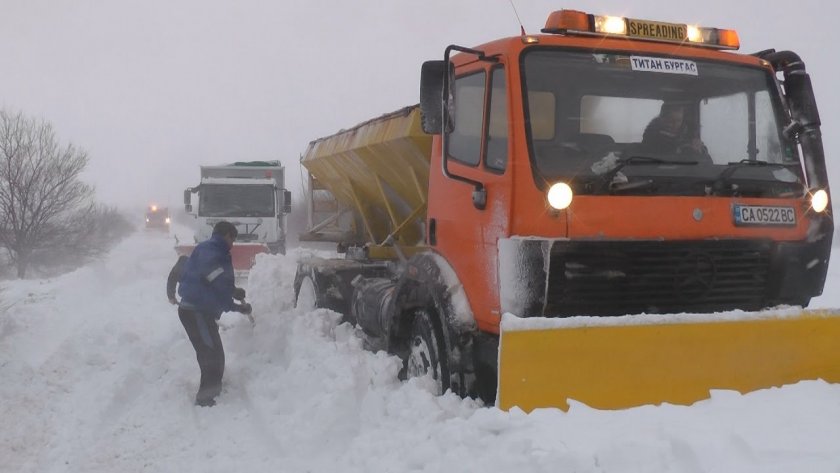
616	366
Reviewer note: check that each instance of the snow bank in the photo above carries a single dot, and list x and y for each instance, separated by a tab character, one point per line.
98	376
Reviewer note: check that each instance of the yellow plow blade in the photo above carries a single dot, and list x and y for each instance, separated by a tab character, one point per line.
620	366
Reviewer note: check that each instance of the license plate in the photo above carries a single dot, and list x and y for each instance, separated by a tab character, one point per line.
657	30
761	215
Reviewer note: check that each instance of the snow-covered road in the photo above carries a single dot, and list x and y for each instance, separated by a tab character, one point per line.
98	376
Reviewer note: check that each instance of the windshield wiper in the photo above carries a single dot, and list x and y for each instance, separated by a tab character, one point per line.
758	162
732	168
603	183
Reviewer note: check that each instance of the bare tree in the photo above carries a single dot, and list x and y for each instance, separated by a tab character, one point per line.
94	232
42	199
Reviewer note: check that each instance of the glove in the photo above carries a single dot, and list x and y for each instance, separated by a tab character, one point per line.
239	293
245	308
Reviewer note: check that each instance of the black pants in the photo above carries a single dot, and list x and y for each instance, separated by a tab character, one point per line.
204	335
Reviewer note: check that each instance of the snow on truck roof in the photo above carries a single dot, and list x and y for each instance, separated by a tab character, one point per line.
237	180
246	165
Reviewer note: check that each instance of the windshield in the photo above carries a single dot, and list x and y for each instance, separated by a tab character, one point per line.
590	117
230	200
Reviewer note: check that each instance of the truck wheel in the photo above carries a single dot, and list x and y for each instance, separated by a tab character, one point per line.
424	355
277	248
306	298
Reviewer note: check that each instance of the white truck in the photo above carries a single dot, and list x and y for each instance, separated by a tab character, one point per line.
250	195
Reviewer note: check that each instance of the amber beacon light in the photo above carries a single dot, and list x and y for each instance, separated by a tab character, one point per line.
573	22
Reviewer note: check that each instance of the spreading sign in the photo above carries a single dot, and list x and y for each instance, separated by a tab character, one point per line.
657	30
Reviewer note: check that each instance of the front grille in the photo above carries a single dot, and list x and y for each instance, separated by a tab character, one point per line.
615	278
247	237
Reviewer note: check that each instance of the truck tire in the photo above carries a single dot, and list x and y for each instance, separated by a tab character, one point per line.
327	280
306	295
277	248
425	352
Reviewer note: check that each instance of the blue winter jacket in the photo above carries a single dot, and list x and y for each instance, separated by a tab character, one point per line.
207	281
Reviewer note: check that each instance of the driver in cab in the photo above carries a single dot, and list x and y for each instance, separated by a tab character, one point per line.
669	134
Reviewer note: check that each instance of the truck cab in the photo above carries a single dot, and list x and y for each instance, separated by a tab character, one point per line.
157	218
548	170
251	196
251	204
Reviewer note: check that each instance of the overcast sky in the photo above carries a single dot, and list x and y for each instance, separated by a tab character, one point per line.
154	88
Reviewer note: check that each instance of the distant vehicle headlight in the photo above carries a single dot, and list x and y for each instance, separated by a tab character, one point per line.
819	200
167	219
560	195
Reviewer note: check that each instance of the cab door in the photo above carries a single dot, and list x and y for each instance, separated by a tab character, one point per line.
479	148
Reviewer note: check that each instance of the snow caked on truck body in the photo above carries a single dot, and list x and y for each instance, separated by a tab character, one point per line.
597	169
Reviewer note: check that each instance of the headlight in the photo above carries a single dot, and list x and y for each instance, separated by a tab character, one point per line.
819	200
167	219
560	195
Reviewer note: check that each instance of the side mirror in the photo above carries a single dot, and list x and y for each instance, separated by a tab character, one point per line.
432	75
287	202
803	105
187	203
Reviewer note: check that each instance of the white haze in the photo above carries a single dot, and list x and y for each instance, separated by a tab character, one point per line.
154	88
97	374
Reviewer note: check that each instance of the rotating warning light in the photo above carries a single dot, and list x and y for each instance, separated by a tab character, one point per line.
610	25
573	22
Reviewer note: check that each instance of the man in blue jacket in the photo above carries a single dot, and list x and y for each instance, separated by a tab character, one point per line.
206	287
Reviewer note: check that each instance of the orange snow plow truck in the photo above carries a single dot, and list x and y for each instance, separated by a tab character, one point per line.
615	211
